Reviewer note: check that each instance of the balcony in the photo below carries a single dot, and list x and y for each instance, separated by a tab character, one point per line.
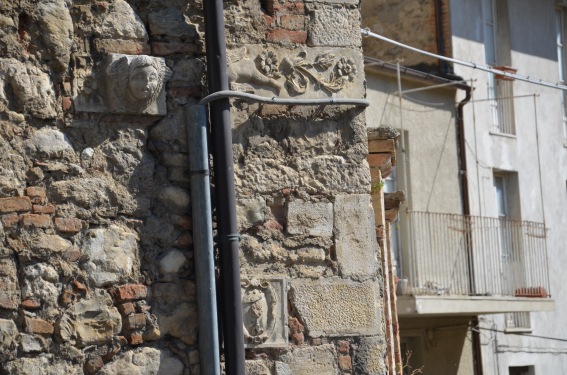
459	265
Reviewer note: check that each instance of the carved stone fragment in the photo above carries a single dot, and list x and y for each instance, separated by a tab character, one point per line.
264	307
317	73
136	84
127	84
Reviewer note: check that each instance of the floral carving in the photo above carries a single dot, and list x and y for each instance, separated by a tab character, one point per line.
324	73
269	64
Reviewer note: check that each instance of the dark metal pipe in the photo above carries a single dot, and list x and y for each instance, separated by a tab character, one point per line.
227	230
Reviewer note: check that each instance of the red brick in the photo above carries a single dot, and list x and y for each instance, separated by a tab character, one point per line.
10	221
36	221
65	225
30	304
292	22
298	338
47	209
343	346
126	308
295	326
135	322
34	325
382	145
286	36
136	338
66	103
275	6
130	292
165	49
382	162
15	204
345	362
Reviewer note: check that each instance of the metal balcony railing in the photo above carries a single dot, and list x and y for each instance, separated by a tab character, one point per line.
452	254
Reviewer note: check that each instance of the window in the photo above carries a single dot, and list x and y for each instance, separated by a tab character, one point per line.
518	322
497	54
522	370
560	40
509	230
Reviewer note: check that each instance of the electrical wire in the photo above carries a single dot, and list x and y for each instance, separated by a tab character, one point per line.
485	68
519	334
282	101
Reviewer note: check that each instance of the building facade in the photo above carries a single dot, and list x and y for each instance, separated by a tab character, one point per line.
484	291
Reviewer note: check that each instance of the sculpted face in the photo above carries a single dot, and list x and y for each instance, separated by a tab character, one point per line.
143	82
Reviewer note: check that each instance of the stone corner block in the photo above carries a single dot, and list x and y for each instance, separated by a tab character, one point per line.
310	218
355	238
337	307
370	356
320	360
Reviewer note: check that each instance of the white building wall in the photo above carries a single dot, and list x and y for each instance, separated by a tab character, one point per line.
532	34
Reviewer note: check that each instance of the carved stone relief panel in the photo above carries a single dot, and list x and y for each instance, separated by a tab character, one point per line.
313	72
264	304
128	84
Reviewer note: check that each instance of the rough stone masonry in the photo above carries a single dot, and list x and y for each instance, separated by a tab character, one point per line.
96	270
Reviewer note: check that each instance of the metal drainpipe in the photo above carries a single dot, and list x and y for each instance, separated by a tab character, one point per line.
225	198
446	71
209	352
477	355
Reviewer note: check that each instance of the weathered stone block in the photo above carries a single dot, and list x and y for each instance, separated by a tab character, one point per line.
355	239
50	143
370	356
325	22
250	212
335	307
314	219
32	343
47	363
123	23
8	334
144	361
269	296
56	27
112	254
90	321
320	360
9	287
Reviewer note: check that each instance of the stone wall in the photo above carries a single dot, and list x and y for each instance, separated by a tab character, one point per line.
96	268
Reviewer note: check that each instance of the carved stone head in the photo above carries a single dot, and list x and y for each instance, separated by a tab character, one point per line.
136	83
